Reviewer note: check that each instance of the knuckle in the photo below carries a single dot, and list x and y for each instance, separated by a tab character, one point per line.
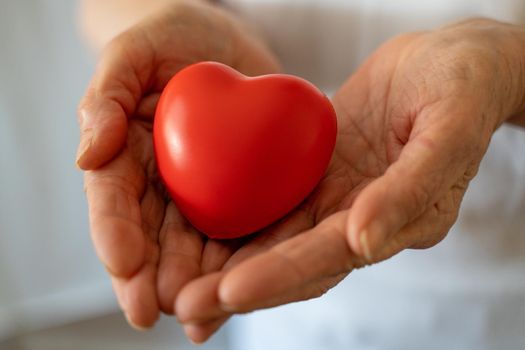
118	43
414	194
318	291
429	241
419	197
321	288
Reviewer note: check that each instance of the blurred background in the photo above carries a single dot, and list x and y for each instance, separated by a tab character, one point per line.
54	294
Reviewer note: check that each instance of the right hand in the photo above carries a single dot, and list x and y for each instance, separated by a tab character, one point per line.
137	231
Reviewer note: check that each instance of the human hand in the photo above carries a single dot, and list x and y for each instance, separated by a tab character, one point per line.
414	123
138	233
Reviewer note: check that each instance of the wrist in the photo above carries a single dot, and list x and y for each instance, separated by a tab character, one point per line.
509	43
497	50
233	41
102	20
514	59
251	53
518	48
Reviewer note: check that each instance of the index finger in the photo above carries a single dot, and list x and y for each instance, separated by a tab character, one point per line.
113	193
283	273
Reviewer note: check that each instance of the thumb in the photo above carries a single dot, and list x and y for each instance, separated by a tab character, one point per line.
430	164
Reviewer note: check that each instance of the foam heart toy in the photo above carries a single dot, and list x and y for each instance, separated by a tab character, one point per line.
237	153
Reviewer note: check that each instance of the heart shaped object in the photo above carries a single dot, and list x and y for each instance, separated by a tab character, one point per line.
237	153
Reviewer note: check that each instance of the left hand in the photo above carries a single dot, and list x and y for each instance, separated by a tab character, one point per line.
414	123
137	232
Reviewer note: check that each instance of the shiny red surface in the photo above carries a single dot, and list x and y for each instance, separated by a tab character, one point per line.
238	153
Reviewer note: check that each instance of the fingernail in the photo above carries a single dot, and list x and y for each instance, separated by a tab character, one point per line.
135	326
86	135
86	121
371	240
228	307
365	246
85	143
190	329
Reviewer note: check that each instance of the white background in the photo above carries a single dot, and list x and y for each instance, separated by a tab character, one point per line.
48	270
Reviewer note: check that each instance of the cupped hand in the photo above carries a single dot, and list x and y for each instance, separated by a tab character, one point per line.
138	233
414	123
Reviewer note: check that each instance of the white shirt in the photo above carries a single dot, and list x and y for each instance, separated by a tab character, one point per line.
466	293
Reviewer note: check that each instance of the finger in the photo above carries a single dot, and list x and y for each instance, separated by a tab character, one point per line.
137	294
113	194
142	307
428	166
290	277
180	257
199	333
217	252
129	257
300	220
147	105
121	78
137	297
428	229
303	292
424	232
319	253
198	301
296	273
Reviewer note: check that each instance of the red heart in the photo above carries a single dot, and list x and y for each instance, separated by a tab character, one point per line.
238	153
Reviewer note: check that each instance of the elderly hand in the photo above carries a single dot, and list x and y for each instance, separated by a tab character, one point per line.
414	123
138	234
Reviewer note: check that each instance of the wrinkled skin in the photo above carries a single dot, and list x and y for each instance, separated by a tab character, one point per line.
133	224
414	123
